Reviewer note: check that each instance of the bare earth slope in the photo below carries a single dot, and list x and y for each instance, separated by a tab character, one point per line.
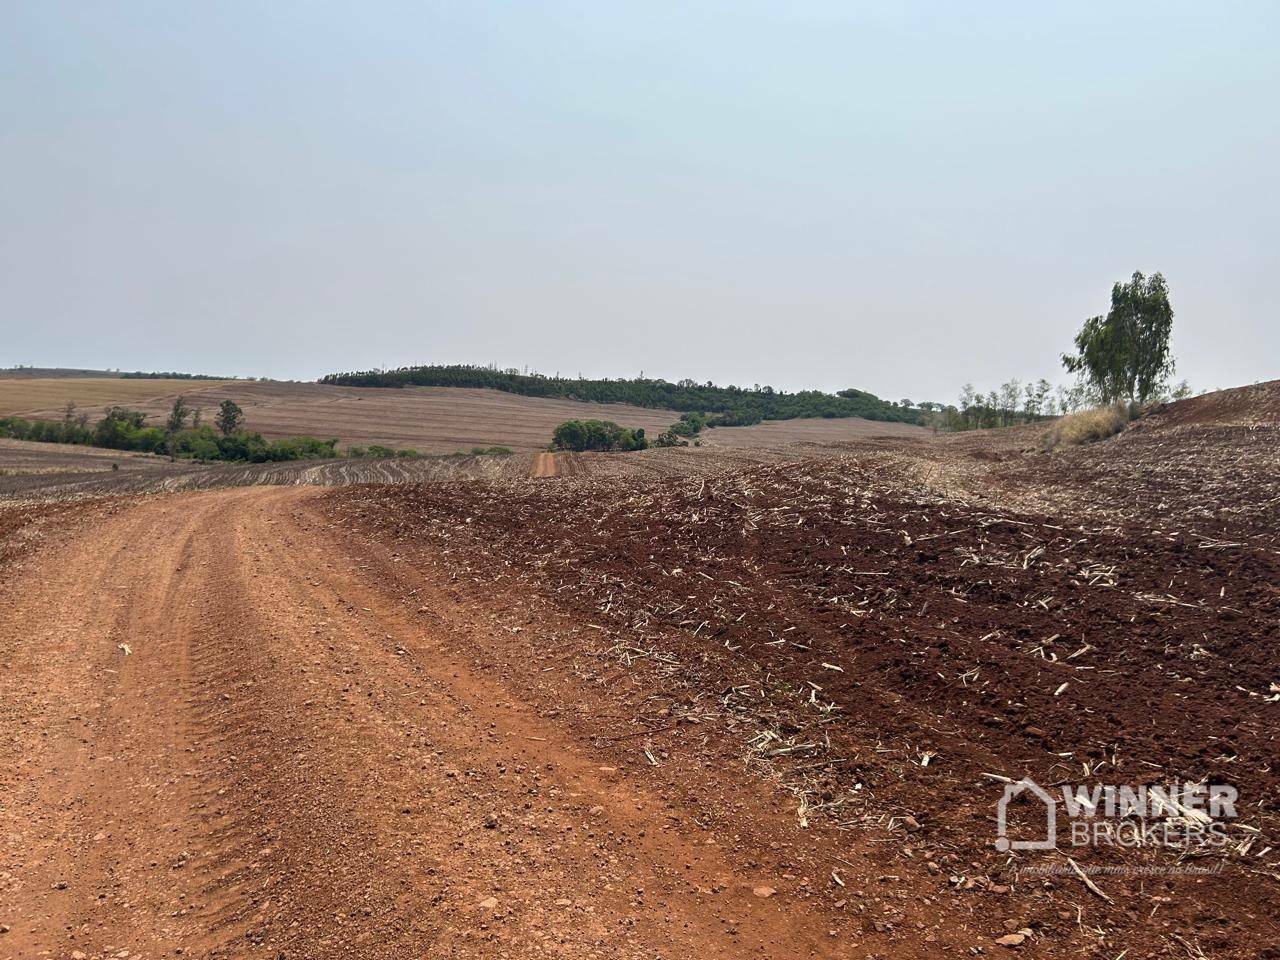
891	656
47	397
231	738
697	702
428	419
20	457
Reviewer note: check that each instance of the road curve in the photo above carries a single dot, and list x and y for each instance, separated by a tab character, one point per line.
227	742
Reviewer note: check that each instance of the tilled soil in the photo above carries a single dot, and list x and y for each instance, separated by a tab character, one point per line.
235	730
157	475
891	659
427	419
693	702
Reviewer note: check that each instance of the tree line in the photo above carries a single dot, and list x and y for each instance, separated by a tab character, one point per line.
732	405
169	375
182	435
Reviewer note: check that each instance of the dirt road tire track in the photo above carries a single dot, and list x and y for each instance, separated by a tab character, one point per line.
545	465
285	762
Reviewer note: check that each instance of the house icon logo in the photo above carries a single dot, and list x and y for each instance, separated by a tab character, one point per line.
1012	790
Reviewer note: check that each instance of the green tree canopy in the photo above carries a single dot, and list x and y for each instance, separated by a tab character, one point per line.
179	414
230	417
1125	355
597	435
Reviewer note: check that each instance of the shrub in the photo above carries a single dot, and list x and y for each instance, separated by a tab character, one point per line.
302	448
580	435
118	428
669	438
148	439
633	439
243	446
122	429
1087	426
689	425
204	449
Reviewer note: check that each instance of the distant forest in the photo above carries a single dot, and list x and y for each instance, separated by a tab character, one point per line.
169	375
26	371
732	406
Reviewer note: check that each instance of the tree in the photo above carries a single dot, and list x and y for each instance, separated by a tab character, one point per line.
1044	398
1071	398
179	413
597	435
1036	400
1010	392
230	417
1125	355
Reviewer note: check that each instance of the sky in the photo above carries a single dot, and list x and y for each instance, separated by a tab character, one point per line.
899	197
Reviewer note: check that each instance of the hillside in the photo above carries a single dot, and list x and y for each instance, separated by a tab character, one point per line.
734	405
44	373
1250	406
46	397
430	420
441	419
767	683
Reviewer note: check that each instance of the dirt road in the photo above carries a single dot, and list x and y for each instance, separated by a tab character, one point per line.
545	465
224	738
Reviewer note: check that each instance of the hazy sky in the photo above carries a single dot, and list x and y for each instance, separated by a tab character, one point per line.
894	197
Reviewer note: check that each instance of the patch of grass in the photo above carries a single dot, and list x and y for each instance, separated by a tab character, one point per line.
1087	426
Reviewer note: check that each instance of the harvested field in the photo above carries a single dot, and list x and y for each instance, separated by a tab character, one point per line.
775	433
1170	467
715	701
426	419
301	757
45	373
1251	406
158	475
22	457
887	659
45	398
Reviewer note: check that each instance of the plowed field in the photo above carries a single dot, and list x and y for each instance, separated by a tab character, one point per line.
696	702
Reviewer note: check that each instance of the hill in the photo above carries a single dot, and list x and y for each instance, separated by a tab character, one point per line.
1252	406
441	419
28	373
46	397
429	420
735	405
46	373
